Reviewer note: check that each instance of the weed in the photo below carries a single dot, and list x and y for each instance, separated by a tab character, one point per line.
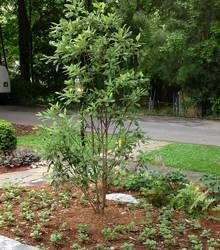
64	199
109	234
36	232
56	238
195	242
83	232
147	233
127	246
151	244
76	246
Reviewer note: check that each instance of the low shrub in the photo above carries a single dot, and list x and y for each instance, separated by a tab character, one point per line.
212	183
157	188
192	200
8	140
159	194
135	181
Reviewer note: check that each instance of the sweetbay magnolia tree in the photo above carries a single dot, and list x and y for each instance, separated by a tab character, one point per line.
99	57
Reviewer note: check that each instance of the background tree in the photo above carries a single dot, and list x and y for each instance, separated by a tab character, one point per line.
181	45
180	49
24	40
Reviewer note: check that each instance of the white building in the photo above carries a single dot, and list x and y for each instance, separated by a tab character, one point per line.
5	85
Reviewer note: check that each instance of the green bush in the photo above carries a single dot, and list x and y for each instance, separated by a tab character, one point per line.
136	181
192	200
8	140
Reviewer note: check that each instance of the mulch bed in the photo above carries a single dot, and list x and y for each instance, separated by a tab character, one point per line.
76	214
23	129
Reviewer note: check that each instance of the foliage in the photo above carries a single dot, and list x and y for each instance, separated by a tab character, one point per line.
191	200
162	227
45	78
157	194
137	180
196	244
127	246
36	232
212	183
56	238
109	93
157	188
151	244
109	234
215	105
8	140
83	232
182	45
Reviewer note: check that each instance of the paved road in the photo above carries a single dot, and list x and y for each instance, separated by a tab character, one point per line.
157	128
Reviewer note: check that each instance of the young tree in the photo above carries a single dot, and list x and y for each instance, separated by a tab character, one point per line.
99	55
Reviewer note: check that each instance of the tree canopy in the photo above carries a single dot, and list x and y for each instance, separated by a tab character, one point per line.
180	44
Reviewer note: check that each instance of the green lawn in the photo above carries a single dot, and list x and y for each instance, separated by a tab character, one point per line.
37	139
34	141
197	158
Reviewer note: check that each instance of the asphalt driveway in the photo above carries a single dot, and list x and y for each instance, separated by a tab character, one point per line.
157	128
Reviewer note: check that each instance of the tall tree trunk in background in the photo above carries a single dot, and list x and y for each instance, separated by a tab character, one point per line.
2	46
24	40
31	40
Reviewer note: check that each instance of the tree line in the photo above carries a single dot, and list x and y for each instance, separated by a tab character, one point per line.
180	47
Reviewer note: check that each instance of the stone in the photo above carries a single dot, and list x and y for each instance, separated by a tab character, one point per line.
9	244
123	198
37	181
40	164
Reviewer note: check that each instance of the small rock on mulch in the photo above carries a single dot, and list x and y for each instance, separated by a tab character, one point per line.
122	198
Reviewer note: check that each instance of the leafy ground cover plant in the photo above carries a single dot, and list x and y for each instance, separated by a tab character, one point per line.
54	226
56	238
212	183
192	200
83	232
157	188
171	189
137	180
127	246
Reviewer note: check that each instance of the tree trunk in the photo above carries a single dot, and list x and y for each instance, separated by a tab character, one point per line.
24	40
3	55
31	41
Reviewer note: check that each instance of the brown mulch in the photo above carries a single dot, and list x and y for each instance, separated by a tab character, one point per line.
4	170
24	129
74	215
77	214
